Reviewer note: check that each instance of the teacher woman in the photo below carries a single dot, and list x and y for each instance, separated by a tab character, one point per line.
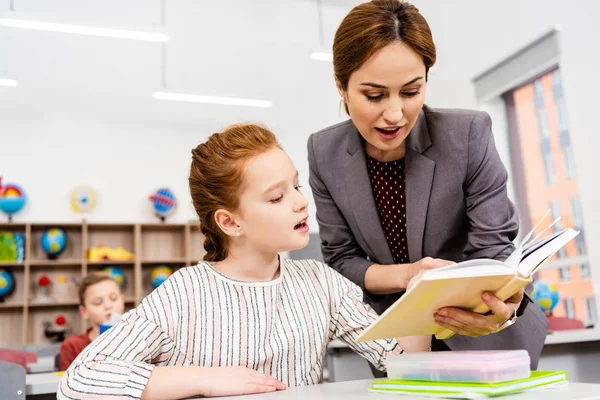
402	187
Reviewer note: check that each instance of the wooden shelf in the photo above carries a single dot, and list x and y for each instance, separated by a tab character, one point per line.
9	305
59	303
65	303
12	225
66	225
110	262
110	226
152	243
159	226
177	260
4	264
55	263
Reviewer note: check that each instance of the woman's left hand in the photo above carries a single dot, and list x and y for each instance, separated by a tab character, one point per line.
467	323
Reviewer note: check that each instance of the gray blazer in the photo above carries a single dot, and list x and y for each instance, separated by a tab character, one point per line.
456	209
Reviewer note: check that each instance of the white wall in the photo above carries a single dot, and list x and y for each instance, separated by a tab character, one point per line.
123	163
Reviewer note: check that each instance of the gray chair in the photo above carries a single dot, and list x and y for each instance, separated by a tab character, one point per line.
12	381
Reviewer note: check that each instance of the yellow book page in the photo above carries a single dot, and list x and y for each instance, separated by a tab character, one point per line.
412	314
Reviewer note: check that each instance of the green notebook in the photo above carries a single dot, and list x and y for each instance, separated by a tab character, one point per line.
461	390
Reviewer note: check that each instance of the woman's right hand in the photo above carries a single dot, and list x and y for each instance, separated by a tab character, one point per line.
233	381
416	269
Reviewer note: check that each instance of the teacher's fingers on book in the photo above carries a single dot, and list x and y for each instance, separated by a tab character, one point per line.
431	263
459	328
516	298
466	323
501	311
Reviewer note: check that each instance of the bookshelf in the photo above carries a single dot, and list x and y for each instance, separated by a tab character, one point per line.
22	317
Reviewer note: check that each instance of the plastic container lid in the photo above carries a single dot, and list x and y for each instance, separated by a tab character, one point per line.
460	366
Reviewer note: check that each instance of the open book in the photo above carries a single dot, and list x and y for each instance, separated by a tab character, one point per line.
461	285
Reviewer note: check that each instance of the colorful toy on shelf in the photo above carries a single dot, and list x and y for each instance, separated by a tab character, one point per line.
64	286
57	331
66	279
43	292
117	275
54	242
545	295
164	203
12	199
7	284
12	246
103	253
159	274
83	199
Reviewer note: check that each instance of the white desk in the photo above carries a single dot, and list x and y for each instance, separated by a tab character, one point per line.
47	383
44	383
357	390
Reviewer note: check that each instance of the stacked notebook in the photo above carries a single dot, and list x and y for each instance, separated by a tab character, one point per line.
465	374
463	390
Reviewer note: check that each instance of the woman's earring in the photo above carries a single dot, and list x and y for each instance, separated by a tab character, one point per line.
237	233
340	106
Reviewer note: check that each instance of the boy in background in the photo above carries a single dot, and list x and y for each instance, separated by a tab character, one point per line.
99	296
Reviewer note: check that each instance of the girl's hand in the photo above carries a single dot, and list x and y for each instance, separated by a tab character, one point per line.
233	381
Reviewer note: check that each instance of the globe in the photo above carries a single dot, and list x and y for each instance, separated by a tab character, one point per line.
12	199
117	275
54	242
545	295
7	283
163	202
159	274
83	199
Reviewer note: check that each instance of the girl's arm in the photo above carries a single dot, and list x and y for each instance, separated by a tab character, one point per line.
180	382
120	363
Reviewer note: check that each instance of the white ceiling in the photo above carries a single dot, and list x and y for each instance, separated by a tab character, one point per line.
250	49
239	48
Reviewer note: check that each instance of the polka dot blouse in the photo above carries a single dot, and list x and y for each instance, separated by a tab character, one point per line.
389	190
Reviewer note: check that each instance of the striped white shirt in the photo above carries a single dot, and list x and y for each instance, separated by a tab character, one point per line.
201	317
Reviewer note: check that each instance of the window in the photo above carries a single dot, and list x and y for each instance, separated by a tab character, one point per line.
558	226
555	211
549	169
543	122
576	212
585	271
544	174
561	111
590	310
569	162
559	101
569	307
